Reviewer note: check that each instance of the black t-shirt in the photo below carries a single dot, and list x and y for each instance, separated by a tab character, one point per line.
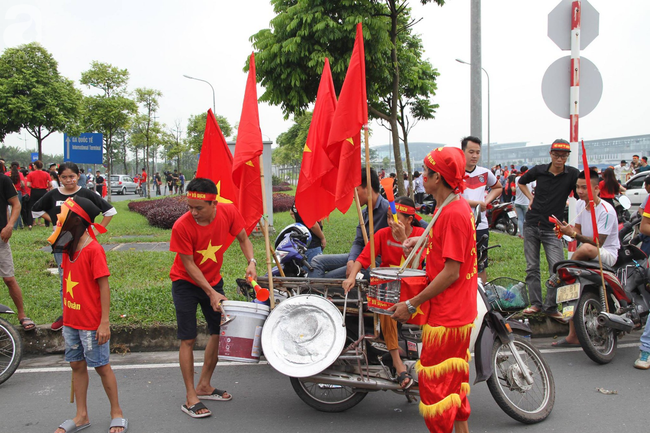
51	202
551	193
169	178
7	190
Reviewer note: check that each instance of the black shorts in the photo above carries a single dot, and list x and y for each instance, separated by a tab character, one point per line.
479	235
186	297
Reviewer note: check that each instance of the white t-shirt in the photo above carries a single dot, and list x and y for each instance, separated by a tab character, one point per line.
475	189
607	224
520	198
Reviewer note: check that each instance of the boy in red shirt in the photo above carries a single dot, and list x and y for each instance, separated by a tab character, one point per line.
199	238
86	304
443	368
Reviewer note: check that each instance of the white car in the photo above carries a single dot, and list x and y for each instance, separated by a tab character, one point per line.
635	189
122	184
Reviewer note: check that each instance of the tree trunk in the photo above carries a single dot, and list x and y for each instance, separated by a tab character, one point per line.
399	171
109	164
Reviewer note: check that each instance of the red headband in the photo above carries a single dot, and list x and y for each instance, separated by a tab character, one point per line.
450	163
406	210
76	208
201	196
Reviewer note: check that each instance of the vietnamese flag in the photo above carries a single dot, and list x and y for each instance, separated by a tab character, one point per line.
344	142
592	208
315	163
215	162
248	149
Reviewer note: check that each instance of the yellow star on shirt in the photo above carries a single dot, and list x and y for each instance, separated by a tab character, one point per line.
208	253
69	285
418	310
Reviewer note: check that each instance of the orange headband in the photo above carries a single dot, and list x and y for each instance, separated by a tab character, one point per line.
201	196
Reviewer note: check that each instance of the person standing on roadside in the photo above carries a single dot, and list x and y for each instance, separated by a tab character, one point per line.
39	182
200	238
443	370
555	182
158	182
521	201
9	197
476	192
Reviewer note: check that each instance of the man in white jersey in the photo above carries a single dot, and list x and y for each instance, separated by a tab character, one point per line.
480	178
583	232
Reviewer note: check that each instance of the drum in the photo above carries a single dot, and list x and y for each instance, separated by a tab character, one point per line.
303	335
387	284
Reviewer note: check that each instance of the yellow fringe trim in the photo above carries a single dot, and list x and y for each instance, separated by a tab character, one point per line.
438	334
446	366
433	410
464	387
468	358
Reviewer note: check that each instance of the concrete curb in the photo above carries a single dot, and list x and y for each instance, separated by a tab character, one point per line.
156	338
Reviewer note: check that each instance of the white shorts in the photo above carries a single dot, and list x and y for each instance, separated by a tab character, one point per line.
607	257
6	260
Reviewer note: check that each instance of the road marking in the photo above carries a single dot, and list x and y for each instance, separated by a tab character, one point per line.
579	349
133	366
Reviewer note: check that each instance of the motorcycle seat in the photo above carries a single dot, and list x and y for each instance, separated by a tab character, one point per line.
592	264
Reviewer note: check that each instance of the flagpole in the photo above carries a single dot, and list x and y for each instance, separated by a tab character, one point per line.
371	234
273	254
361	224
602	277
265	230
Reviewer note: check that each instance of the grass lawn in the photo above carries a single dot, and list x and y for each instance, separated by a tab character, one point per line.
141	289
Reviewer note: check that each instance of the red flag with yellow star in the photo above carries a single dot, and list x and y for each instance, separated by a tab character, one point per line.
344	142
315	163
248	149
215	162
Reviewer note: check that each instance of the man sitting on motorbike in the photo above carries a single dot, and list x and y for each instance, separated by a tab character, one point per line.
443	369
583	232
388	244
643	361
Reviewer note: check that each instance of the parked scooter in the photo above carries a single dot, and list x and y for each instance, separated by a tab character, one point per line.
502	217
11	346
290	248
599	319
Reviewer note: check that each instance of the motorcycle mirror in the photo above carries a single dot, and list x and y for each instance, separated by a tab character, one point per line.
625	202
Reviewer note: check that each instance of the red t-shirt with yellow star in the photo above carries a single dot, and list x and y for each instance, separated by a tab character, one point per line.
82	308
206	243
453	237
390	251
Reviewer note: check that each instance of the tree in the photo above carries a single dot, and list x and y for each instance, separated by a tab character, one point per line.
196	129
111	111
34	96
292	142
291	53
146	128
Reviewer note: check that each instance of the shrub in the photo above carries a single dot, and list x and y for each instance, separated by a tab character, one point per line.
277	188
282	202
161	213
276	180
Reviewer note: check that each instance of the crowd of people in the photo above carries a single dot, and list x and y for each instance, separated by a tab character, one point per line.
451	175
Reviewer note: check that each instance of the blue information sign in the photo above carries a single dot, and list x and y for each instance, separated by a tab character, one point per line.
34	156
85	149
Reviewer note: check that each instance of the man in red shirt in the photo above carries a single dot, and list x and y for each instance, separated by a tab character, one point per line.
199	238
443	369
143	183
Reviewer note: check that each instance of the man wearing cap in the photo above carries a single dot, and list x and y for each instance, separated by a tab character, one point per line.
555	182
199	238
443	369
479	180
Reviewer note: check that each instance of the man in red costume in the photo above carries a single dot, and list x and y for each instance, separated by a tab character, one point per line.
443	369
199	238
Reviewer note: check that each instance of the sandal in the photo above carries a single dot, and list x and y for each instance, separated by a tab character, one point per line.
193	410
216	395
532	310
27	324
402	377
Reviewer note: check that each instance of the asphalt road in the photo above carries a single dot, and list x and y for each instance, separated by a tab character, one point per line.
36	399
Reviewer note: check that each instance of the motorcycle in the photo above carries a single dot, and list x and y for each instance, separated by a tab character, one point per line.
517	375
601	318
11	346
290	248
502	217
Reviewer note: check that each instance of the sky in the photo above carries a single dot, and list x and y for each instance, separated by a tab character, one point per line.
160	41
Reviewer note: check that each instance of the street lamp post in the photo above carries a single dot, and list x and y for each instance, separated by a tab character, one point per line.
213	95
488	109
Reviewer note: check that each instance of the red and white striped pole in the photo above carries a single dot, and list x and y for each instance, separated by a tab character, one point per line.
576	9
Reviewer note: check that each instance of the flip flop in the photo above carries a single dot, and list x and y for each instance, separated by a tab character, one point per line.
216	395
70	427
119	422
27	324
402	377
563	343
532	310
194	409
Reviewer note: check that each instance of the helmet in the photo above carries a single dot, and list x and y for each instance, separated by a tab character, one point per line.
299	232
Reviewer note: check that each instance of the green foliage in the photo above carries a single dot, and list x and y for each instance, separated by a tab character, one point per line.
196	129
33	95
292	143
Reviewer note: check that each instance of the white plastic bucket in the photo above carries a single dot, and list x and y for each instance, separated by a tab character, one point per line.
240	336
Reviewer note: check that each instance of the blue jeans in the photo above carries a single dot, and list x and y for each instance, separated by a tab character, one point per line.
19	221
313	252
82	345
329	266
645	338
521	210
534	237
